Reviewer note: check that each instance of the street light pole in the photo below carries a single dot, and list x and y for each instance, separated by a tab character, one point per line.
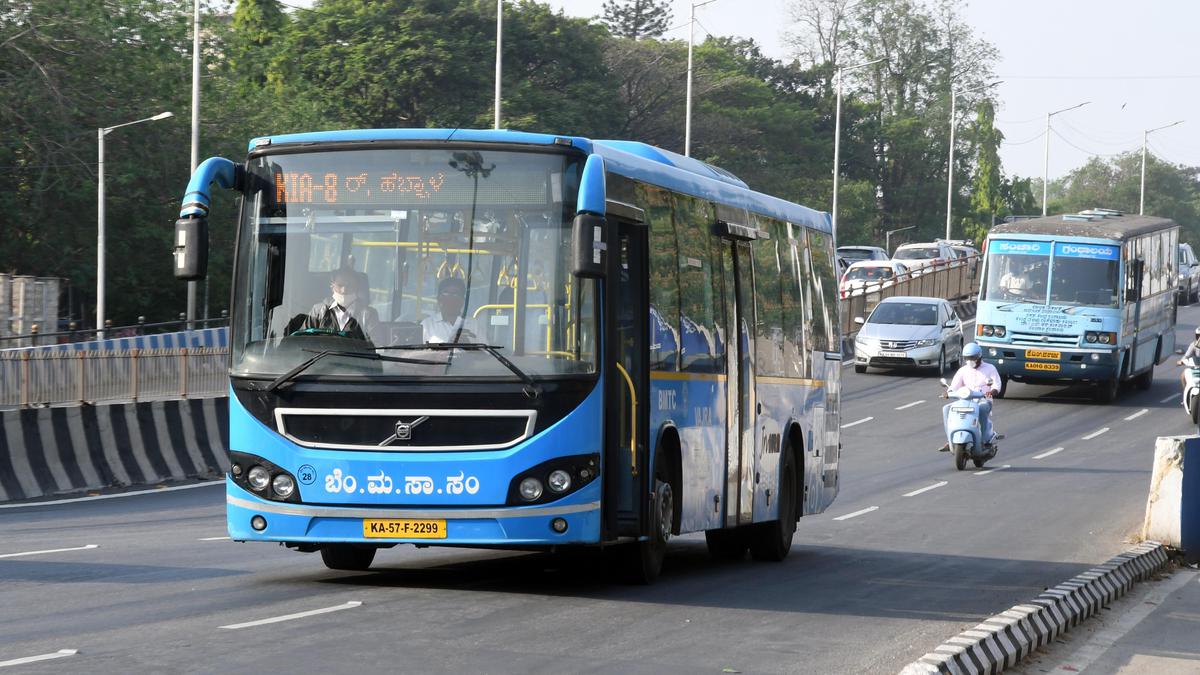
100	225
499	41
837	142
1046	158
1145	140
887	239
950	162
687	122
193	285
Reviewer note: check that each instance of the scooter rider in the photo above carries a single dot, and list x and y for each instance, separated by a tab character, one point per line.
975	375
1193	351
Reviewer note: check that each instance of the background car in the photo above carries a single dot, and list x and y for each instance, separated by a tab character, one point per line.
909	332
867	275
856	253
969	253
1189	275
922	257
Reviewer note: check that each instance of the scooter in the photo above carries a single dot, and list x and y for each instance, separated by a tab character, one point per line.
1191	390
962	427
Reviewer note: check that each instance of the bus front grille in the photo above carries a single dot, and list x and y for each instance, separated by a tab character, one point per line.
1040	340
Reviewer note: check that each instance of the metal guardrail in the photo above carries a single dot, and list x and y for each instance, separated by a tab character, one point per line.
40	379
955	281
39	338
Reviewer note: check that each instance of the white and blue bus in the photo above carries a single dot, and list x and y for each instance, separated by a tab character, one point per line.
1086	297
552	341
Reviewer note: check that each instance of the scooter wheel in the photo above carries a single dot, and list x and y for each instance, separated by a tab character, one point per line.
960	456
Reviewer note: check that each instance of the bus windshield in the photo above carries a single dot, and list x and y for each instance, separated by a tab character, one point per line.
1078	274
1017	271
356	251
1084	281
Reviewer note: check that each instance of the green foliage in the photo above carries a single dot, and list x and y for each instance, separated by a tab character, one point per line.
636	19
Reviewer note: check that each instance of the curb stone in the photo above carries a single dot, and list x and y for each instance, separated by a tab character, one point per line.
1001	641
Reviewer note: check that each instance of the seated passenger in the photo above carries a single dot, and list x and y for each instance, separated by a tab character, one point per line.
449	325
344	311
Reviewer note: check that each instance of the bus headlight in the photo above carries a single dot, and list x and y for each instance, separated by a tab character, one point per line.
1108	338
987	330
559	481
1000	332
1090	336
531	489
553	479
258	478
283	485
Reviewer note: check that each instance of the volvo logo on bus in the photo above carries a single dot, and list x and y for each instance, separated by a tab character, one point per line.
404	430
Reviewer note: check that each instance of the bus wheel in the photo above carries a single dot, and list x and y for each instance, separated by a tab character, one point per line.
347	556
771	541
643	560
1145	380
1106	391
728	544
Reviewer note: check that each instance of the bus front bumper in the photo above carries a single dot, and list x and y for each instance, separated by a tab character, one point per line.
1025	363
496	526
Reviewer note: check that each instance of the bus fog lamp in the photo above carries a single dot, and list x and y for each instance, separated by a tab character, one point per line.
559	481
559	525
531	489
258	523
283	485
236	470
1095	357
258	478
992	351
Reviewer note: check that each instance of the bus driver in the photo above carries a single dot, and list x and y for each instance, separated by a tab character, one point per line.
449	324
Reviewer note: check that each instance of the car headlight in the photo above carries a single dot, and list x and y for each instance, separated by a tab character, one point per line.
927	343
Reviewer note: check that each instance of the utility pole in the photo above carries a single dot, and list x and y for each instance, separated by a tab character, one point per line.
1046	159
1145	141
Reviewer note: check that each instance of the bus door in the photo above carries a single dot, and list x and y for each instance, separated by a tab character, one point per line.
626	474
739	372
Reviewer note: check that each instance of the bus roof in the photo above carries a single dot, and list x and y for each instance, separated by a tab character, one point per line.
628	158
1116	227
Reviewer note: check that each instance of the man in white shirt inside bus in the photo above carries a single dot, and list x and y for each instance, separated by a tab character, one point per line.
448	324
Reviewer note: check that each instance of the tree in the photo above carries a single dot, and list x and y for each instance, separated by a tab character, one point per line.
637	19
256	26
987	184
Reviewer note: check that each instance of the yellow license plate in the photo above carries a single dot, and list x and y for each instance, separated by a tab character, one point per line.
1042	366
1043	354
404	528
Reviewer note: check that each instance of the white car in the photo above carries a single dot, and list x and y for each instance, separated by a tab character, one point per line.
870	275
857	253
1189	275
923	257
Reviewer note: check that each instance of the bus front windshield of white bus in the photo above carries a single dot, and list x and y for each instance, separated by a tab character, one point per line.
1015	276
400	253
1085	274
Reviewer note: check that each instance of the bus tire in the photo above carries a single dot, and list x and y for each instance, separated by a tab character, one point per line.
772	540
1145	380
728	544
1106	391
347	557
642	561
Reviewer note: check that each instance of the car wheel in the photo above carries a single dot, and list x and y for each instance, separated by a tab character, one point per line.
941	366
860	369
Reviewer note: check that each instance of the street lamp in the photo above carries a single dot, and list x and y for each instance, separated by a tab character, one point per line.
100	134
499	37
192	286
1046	161
1145	134
837	140
887	238
687	122
950	162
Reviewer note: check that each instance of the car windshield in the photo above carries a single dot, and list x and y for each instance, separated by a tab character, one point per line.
353	251
869	273
855	253
905	314
916	254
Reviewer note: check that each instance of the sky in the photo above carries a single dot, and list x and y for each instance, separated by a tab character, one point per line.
1136	62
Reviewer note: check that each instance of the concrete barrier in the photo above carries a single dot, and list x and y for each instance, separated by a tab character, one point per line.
50	451
1173	507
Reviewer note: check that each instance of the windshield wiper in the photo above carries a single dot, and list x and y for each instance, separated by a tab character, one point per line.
371	356
476	347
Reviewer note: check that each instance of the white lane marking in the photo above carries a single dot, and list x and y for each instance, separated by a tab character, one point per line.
298	615
1127	621
1137	414
998	468
854	424
1170	398
927	488
214	539
909	405
1095	434
52	550
29	505
848	516
40	657
1048	453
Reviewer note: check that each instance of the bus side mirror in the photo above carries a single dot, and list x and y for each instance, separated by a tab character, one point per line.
589	248
191	249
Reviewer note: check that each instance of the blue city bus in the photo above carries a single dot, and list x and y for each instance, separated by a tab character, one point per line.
552	341
1086	297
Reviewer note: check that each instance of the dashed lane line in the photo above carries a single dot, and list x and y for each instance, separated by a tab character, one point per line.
40	657
927	488
1096	433
909	405
1137	414
52	550
856	514
1048	453
987	471
1170	398
298	615
856	423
